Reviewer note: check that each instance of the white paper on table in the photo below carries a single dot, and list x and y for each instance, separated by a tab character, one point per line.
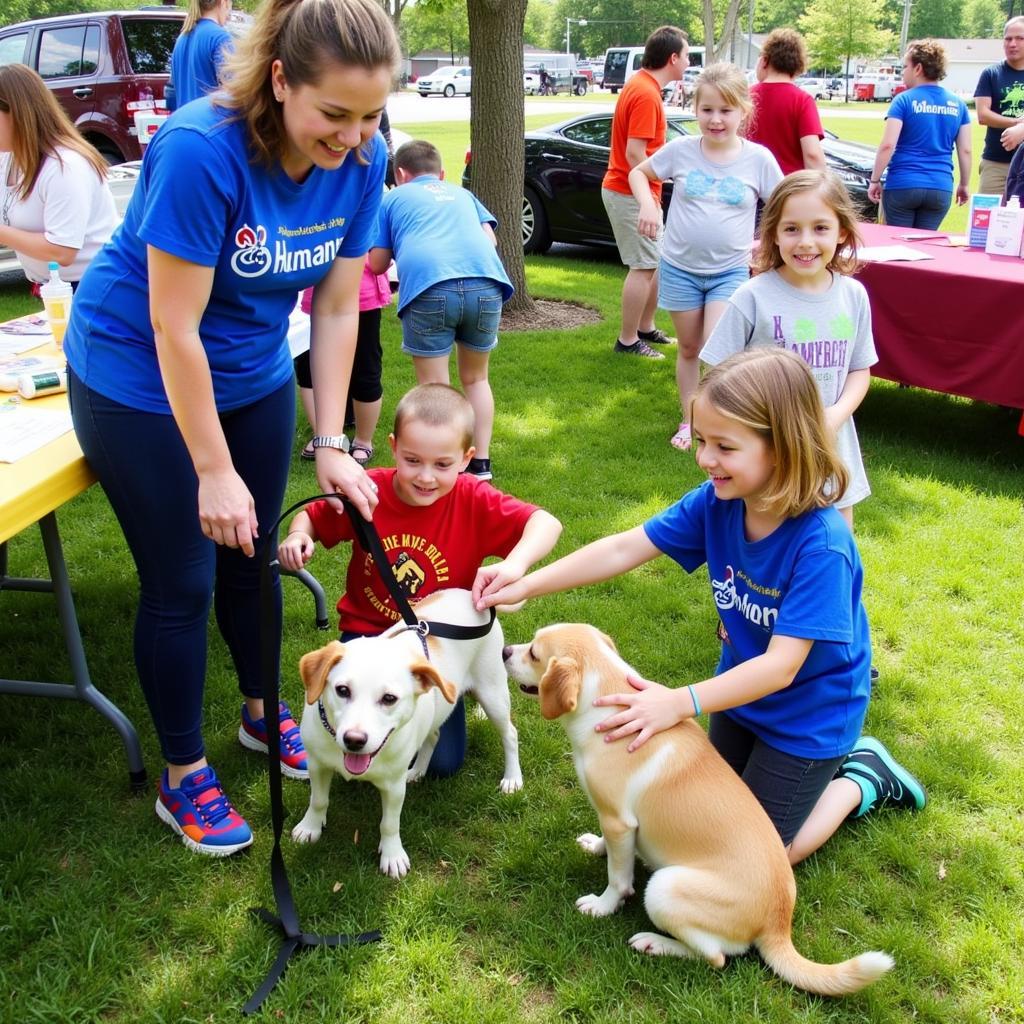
15	344
890	254
24	430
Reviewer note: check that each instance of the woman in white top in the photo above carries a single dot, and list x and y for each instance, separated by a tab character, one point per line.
55	204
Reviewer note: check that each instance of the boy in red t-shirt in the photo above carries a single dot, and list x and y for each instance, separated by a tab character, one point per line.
436	522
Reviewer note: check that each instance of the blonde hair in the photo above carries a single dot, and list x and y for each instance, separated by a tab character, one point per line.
772	392
197	9
730	81
307	37
38	127
436	405
833	193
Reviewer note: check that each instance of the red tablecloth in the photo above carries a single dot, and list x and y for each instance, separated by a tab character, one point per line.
953	323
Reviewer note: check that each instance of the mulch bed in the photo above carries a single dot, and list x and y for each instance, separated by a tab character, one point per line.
549	315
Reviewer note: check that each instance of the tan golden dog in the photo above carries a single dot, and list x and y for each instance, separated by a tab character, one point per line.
721	880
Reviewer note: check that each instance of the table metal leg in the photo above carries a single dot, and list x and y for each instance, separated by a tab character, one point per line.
313	584
82	687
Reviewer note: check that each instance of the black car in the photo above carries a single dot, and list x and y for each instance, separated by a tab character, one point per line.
566	162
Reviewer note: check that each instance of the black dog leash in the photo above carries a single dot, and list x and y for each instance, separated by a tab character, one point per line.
287	918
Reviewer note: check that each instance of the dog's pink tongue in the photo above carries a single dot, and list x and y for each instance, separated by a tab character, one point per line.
356	764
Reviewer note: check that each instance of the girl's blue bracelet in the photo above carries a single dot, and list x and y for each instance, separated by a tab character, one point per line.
693	697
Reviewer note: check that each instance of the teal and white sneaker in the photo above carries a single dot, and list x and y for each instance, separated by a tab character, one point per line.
883	781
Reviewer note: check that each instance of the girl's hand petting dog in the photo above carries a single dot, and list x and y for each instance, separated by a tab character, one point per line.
650	710
295	550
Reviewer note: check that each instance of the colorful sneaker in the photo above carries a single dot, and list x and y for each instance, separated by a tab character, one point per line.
638	348
202	815
883	781
480	468
252	733
655	337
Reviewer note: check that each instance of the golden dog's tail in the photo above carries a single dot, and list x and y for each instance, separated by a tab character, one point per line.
781	956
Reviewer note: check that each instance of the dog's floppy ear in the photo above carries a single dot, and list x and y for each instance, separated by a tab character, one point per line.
314	667
428	676
560	687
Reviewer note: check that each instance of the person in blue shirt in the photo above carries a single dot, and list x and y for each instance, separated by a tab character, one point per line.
451	283
791	690
199	51
923	126
179	374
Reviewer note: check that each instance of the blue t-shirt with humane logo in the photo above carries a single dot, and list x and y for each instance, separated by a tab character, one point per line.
201	197
803	580
932	118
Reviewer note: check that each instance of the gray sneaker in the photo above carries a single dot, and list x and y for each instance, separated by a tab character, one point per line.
640	348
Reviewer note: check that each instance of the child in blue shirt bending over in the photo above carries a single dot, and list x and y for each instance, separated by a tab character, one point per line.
451	283
791	690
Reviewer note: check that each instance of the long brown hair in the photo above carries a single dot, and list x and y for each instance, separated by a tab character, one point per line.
306	36
39	126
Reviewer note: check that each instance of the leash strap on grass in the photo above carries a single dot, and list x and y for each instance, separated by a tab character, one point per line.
287	918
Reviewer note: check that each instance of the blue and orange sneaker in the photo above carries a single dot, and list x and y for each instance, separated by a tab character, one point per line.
202	815
252	733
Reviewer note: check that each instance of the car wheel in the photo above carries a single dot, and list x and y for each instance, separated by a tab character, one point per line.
614	91
581	89
449	91
536	236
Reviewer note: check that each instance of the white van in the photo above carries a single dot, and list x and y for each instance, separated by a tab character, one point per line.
621	63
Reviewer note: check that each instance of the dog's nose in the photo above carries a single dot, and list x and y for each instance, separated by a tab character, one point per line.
355	740
506	653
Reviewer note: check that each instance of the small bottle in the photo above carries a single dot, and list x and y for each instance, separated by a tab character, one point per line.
37	385
1013	203
56	295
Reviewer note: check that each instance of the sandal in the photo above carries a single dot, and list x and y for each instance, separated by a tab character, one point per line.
361	453
681	439
308	452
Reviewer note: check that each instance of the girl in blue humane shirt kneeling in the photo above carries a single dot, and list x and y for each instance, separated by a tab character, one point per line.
789	696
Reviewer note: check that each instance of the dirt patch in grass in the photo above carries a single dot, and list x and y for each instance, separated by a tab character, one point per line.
550	315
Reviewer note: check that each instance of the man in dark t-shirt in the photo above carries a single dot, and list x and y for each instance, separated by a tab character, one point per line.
999	100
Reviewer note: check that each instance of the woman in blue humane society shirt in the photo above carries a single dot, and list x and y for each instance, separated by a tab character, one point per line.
179	373
922	127
199	51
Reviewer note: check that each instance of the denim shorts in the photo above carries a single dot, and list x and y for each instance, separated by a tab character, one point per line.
466	310
680	290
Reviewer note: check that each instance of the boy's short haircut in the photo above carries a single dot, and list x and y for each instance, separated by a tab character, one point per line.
418	157
784	50
661	44
436	405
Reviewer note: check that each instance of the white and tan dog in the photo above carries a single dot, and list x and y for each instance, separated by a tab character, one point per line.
374	704
721	880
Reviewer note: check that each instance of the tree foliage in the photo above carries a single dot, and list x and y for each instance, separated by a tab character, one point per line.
938	19
617	22
984	19
838	31
436	25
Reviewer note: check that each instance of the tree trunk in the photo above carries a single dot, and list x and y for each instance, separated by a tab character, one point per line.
496	126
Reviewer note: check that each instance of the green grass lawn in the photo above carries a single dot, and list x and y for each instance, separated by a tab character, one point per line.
105	917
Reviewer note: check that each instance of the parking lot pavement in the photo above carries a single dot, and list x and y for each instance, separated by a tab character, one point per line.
409	108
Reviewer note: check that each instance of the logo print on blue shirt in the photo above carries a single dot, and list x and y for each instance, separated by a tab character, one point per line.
253	257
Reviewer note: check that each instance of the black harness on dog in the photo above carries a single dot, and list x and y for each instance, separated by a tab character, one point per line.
287	917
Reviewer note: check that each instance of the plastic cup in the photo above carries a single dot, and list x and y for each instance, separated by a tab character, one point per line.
57	312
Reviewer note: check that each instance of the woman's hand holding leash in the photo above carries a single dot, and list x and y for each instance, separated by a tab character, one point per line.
650	710
338	473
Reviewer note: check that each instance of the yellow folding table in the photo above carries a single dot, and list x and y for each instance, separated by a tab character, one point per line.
31	491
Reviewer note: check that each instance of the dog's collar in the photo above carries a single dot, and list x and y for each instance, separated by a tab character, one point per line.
323	718
447	631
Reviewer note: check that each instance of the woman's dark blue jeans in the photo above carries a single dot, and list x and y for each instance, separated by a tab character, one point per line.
147	473
922	208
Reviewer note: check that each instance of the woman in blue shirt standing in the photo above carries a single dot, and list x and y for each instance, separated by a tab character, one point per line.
179	373
199	51
922	127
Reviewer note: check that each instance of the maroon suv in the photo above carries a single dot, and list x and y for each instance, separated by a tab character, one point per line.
102	66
